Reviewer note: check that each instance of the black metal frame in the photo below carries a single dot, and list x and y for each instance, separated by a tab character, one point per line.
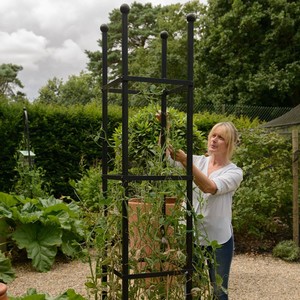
125	177
26	136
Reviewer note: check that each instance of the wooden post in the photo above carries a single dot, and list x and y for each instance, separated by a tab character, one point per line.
295	186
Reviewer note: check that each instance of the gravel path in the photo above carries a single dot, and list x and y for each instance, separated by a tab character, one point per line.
264	277
252	277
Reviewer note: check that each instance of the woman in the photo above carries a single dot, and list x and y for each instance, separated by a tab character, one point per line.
216	179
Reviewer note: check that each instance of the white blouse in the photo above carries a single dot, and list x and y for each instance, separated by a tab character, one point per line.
216	210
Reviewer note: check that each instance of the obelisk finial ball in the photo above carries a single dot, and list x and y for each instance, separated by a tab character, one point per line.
124	8
104	28
191	17
164	34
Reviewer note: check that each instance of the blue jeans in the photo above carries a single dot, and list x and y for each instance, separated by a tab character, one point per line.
223	258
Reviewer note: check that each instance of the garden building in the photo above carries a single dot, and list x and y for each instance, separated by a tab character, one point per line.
287	122
289	125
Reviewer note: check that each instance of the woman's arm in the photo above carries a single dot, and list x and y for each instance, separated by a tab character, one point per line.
201	180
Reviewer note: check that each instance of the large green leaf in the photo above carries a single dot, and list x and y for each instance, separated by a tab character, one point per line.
6	272
32	297
28	213
32	294
60	213
6	201
70	294
40	243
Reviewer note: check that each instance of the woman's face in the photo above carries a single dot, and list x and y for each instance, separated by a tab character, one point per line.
217	143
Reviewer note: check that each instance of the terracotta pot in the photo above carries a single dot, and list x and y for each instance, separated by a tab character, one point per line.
144	224
146	235
3	290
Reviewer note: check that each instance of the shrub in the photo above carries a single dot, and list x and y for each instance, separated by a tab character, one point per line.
62	138
29	180
204	121
143	135
263	203
11	129
287	250
42	226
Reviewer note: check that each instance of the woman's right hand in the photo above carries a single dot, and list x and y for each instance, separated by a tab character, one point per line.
177	155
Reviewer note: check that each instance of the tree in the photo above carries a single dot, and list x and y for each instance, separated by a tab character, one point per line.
80	89
9	81
145	23
249	53
141	21
172	19
50	93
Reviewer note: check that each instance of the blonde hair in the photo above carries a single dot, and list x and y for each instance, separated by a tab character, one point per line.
230	135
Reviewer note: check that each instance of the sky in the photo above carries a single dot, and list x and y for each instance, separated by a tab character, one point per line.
48	37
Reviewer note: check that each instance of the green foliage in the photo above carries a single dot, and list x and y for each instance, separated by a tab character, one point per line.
7	274
40	243
11	129
70	138
50	93
41	226
245	123
245	52
151	228
29	180
143	137
88	189
32	294
205	120
81	89
169	18
9	79
248	53
287	250
141	20
103	225
263	201
145	23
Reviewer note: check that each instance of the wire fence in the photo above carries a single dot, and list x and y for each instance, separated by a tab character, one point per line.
263	113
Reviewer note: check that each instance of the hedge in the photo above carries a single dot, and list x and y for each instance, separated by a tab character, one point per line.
65	140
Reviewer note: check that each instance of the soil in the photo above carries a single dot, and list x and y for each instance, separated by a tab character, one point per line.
253	276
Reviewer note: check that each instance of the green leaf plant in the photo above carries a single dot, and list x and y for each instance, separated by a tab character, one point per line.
7	274
287	250
40	242
145	154
42	227
32	294
157	240
263	204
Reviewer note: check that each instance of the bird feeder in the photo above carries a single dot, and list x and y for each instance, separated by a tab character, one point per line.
27	157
